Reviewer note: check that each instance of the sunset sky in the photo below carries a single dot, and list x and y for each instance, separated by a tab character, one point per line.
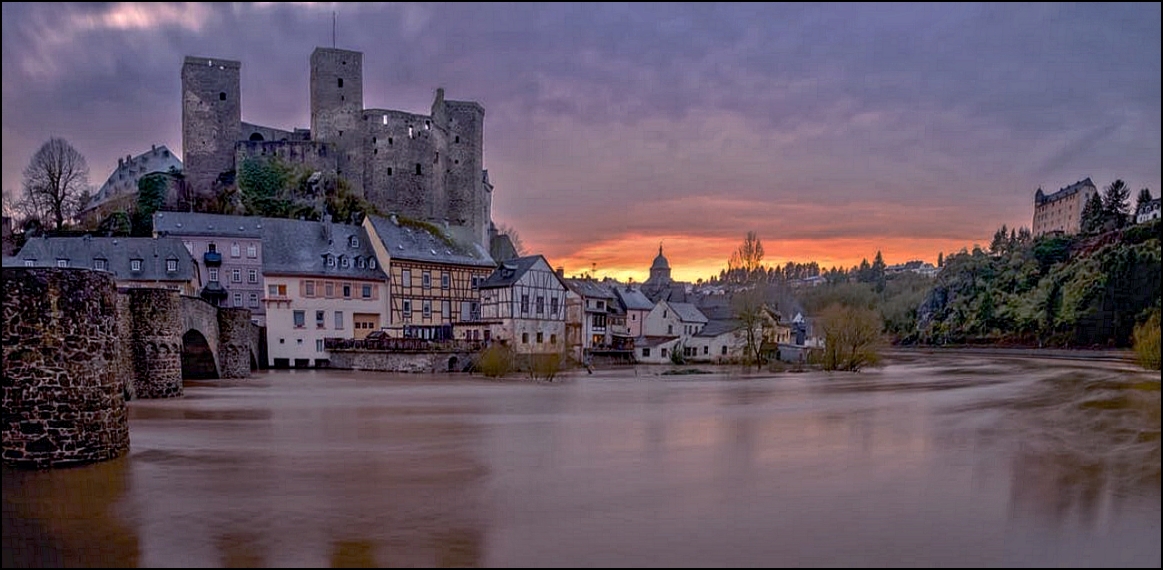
831	130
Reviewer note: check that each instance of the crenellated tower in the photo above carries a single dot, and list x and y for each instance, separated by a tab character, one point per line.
211	120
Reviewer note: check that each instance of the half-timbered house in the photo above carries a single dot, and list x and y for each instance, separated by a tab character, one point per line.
432	279
524	299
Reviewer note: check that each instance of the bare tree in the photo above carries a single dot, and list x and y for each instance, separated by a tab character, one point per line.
56	180
518	243
749	309
852	337
746	261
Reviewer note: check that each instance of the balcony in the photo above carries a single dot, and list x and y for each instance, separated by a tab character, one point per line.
212	258
214	292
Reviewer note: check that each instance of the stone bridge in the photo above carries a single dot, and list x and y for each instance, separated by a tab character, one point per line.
75	349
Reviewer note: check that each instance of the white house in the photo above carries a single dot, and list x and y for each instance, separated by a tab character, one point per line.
322	281
636	305
655	349
673	319
719	341
1149	211
523	303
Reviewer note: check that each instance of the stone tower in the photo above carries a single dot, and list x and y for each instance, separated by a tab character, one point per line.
211	119
469	196
337	109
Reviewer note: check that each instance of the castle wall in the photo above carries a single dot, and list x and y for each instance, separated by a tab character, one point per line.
259	133
156	342
62	396
211	119
399	144
314	155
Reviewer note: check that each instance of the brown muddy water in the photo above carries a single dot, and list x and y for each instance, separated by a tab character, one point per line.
932	460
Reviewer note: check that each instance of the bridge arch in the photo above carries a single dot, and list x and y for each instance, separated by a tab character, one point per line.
198	361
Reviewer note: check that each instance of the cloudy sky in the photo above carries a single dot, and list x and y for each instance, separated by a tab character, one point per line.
831	130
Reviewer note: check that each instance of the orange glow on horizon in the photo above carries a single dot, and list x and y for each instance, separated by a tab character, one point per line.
691	258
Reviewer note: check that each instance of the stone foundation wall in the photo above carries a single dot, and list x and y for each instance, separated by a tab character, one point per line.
63	398
156	342
385	361
124	367
234	342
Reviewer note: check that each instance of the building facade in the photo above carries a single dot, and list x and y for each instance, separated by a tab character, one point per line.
1062	210
524	302
322	280
1149	211
423	166
229	253
119	192
433	280
134	262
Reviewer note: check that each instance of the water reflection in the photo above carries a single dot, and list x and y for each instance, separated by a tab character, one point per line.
938	460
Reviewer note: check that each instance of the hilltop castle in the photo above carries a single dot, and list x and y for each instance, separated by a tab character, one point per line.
426	167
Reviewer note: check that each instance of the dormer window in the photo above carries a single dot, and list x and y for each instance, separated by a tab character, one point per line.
62	263
354	241
135	265
100	264
330	260
29	262
359	262
344	262
171	265
371	263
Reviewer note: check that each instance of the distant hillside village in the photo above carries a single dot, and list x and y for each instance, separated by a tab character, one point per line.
412	261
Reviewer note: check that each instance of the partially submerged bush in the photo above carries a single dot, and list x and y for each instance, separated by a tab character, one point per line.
1146	339
545	366
496	361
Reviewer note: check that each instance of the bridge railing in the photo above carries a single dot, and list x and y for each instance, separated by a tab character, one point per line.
402	345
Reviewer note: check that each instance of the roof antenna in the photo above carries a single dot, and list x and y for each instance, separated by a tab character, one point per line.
333	29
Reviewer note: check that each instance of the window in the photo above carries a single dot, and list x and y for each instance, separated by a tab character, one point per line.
330	260
318	345
344	261
359	262
135	265
540	337
553	306
427	309
237	300
706	350
339	320
212	248
418	168
319	319
524	303
407	308
354	241
252	276
277	290
329	289
235	251
221	95
446	310
171	265
251	250
669	330
100	264
300	319
236	275
62	263
347	290
444	280
366	291
540	305
552	339
664	314
475	281
406	278
524	338
646	352
724	350
664	353
426	280
371	262
29	262
601	305
253	300
213	273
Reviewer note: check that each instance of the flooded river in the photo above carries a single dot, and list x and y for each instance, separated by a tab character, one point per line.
932	460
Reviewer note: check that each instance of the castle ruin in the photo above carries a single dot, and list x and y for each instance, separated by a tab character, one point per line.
426	167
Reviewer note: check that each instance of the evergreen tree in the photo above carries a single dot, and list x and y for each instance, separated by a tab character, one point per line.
1144	197
940	259
1092	215
1114	204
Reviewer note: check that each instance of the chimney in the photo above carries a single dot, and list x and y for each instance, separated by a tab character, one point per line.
561	272
120	162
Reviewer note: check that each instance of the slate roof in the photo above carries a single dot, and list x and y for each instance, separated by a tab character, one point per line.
211	225
415	243
297	247
590	288
1040	198
633	299
117	253
511	271
688	313
719	326
652	341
